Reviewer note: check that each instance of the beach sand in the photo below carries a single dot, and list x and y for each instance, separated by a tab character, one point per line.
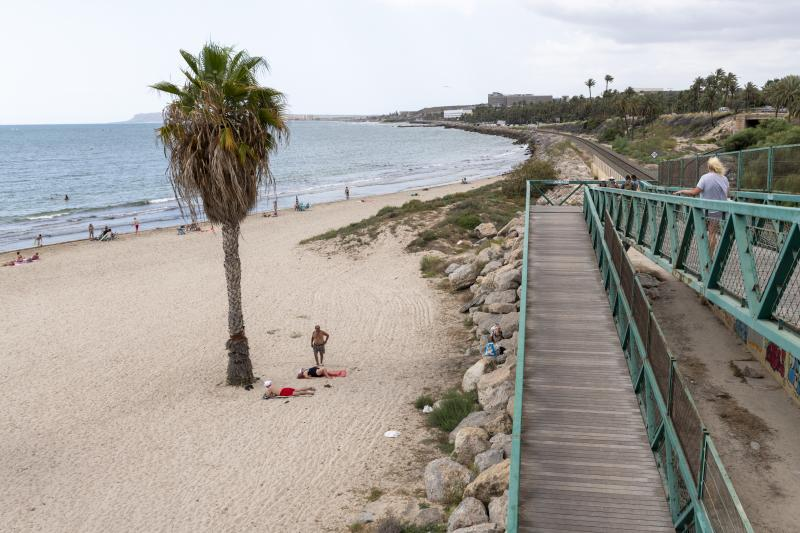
115	416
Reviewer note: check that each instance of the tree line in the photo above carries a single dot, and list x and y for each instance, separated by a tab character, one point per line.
707	94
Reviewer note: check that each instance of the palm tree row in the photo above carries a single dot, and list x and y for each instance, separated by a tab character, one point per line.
219	132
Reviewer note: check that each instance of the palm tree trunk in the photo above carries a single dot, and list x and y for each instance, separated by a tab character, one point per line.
240	369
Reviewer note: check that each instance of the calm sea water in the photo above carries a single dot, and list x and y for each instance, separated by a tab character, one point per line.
114	172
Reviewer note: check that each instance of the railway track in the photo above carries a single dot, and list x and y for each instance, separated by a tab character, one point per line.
615	161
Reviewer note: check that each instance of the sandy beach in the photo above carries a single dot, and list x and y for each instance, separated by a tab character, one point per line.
115	416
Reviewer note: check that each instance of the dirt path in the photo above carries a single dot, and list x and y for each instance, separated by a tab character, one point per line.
755	426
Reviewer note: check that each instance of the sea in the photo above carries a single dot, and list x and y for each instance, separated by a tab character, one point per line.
112	173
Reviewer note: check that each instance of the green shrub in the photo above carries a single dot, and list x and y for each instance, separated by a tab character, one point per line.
374	494
532	169
454	406
422	401
467	221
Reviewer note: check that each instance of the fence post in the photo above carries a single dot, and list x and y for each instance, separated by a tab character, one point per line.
770	166
739	170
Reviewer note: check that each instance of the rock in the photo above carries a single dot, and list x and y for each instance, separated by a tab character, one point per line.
519	293
430	516
476	301
648	281
510	344
444	479
755	446
498	510
470	442
496	422
472	375
401	508
487	458
469	512
500	308
509	324
472	351
511	362
365	518
509	407
452	267
463	276
514	255
495	388
500	297
488	527
501	441
489	253
491	482
511	223
748	369
491	266
475	419
509	279
485	230
485	321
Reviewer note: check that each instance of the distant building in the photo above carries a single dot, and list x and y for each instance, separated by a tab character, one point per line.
455	113
503	100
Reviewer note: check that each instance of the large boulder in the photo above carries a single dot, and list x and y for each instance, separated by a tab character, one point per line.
501	297
485	321
516	221
513	255
485	230
469	512
475	419
445	479
496	422
490	483
469	443
498	510
488	527
509	323
500	309
430	516
487	458
510	407
473	374
495	388
501	441
452	267
509	279
463	276
491	266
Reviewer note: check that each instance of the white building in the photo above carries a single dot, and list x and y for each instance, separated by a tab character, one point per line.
456	113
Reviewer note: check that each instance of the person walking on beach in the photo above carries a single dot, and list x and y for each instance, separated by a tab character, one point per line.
136	225
712	186
319	339
91	231
346	192
275	208
296	203
66	197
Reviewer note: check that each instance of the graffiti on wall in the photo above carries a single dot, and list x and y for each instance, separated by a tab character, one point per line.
741	330
775	358
794	374
755	341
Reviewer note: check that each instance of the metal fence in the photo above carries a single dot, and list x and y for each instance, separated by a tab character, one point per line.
701	496
772	169
742	257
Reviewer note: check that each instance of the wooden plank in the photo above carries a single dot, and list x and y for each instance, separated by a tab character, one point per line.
585	462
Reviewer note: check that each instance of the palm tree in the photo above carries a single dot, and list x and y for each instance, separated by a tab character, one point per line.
218	134
609	78
789	94
750	92
590	83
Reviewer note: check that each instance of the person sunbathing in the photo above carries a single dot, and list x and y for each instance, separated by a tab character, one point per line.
320	372
285	392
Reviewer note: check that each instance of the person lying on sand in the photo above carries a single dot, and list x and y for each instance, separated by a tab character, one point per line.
320	372
285	392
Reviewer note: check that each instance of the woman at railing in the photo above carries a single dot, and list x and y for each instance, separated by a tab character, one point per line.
713	185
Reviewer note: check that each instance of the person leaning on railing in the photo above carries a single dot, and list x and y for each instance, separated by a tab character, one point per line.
713	185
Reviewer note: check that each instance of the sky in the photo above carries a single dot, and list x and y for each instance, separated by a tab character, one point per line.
92	61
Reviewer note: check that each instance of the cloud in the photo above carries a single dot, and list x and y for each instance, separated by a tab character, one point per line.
677	20
463	7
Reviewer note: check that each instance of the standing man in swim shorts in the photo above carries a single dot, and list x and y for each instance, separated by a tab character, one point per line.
318	340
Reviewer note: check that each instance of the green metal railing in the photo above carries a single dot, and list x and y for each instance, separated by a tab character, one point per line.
542	186
771	169
700	494
516	430
743	261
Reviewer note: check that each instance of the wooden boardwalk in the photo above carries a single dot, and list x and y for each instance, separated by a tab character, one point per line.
585	461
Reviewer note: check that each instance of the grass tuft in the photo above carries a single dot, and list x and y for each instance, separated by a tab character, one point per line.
422	401
374	494
432	266
455	405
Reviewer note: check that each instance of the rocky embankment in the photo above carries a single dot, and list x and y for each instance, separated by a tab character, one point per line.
472	482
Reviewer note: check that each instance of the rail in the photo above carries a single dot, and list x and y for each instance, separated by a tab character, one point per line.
512	519
742	258
700	493
770	169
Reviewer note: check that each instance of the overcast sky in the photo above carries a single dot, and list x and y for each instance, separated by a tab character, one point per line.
71	61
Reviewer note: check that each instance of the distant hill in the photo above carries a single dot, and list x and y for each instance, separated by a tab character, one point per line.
144	118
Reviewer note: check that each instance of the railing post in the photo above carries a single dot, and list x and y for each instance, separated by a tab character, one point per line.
739	170
770	167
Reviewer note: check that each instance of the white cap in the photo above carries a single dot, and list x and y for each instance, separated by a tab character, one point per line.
267	383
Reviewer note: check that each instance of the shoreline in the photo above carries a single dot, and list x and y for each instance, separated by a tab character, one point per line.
10	254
